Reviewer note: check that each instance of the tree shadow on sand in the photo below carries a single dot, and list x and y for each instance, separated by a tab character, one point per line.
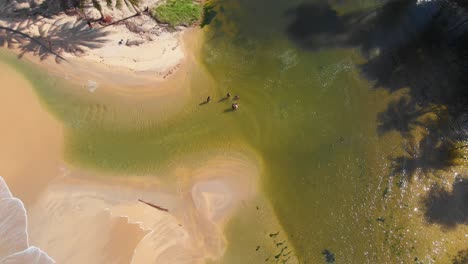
420	47
33	9
52	39
448	208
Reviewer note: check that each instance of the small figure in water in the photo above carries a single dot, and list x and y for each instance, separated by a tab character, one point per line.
235	106
228	95
208	99
329	256
236	97
121	42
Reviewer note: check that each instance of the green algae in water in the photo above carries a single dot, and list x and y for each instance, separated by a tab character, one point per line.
267	244
117	138
322	156
308	115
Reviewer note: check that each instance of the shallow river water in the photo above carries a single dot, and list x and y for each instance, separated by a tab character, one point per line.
306	111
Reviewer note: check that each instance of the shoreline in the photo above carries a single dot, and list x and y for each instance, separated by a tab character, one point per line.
93	83
65	45
77	67
205	195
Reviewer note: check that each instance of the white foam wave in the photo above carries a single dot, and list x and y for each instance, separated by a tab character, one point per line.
31	255
14	244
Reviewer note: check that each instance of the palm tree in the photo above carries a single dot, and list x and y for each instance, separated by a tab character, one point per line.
118	4
128	3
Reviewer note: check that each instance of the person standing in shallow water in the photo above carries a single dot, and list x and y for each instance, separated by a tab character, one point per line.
228	95
208	99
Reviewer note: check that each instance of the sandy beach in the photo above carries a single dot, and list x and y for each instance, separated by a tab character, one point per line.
138	47
70	208
102	214
107	210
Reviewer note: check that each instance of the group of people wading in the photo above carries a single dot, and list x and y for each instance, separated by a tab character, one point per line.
234	106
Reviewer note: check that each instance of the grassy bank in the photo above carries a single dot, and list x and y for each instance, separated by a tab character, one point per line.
178	12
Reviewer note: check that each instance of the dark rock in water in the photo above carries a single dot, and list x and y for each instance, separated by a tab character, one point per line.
280	243
329	256
258	247
274	234
277	256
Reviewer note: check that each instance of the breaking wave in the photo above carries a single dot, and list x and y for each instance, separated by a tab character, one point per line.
14	243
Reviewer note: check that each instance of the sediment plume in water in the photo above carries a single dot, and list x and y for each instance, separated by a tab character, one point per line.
14	243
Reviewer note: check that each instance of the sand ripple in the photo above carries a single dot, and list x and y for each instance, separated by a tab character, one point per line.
106	222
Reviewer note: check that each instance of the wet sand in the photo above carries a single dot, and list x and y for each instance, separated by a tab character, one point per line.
92	213
31	141
71	208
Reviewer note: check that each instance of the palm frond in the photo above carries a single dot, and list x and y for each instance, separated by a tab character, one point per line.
118	4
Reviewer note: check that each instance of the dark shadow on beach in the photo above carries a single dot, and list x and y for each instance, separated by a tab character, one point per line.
229	110
448	208
34	9
223	99
53	40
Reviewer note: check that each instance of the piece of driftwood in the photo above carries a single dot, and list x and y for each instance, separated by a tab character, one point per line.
154	206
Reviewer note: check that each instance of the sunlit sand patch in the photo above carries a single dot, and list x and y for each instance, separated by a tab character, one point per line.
98	215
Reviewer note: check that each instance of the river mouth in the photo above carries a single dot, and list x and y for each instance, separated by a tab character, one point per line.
312	115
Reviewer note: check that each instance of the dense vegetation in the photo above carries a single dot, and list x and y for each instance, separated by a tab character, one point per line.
177	12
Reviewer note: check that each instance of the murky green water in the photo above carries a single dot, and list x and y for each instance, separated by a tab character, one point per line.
309	115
